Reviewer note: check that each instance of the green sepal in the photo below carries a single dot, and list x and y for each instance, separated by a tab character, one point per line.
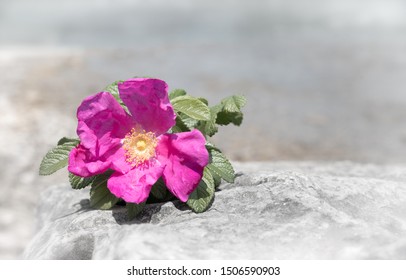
78	182
57	157
202	197
220	165
100	195
192	107
134	209
113	89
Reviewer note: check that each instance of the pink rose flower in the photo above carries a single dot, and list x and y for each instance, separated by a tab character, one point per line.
137	147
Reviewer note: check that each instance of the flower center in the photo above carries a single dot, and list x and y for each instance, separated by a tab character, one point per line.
139	146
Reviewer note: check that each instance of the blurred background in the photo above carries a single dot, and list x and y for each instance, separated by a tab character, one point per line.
325	79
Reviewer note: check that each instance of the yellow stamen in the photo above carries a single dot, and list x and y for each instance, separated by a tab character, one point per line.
139	146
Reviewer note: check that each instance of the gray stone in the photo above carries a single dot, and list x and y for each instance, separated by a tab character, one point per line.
324	79
273	211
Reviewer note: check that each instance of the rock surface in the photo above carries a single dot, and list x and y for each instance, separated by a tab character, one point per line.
324	79
281	211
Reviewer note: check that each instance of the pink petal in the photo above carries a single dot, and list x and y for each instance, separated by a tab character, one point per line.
135	186
119	162
148	102
102	124
82	163
185	156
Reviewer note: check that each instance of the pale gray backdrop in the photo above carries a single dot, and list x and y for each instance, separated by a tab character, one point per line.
324	79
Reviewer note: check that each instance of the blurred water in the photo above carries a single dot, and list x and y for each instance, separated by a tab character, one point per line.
128	23
320	76
324	79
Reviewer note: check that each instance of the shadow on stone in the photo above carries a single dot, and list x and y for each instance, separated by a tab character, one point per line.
84	207
180	205
145	217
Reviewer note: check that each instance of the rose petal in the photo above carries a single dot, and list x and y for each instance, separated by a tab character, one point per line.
184	156
135	186
148	102
119	162
102	124
82	163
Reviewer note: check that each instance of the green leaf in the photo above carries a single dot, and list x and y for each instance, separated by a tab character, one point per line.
101	179
230	111
225	118
179	126
189	122
233	103
78	182
159	189
220	165
201	198
176	129
134	209
204	100
64	140
176	93
210	127
100	195
216	178
57	158
192	107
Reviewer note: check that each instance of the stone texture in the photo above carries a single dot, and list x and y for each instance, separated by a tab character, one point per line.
324	79
278	211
